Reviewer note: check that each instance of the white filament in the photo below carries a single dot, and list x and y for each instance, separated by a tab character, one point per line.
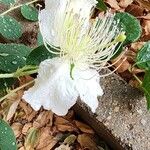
84	41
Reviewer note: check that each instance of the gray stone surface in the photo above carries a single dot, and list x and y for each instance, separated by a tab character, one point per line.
121	118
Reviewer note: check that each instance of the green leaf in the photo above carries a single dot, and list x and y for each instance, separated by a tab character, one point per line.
7	2
10	28
29	12
130	25
13	56
7	137
38	55
6	83
40	39
101	5
143	57
146	87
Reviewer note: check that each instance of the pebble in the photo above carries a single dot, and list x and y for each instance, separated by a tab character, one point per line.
143	122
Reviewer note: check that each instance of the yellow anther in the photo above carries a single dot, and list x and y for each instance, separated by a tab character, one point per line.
121	37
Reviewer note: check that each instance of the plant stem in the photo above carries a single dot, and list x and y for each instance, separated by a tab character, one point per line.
15	90
136	77
30	72
11	75
140	82
15	7
18	74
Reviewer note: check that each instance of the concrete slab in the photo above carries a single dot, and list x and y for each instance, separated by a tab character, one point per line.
121	118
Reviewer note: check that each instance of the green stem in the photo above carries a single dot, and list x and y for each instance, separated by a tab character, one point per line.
31	72
11	75
18	74
13	8
140	82
15	90
136	77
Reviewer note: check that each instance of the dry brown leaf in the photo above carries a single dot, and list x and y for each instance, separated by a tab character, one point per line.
136	46
17	128
31	116
131	55
43	119
45	139
53	142
16	96
135	10
26	127
67	127
146	26
22	148
25	79
63	147
137	70
122	65
12	110
146	38
12	104
50	146
125	3
70	115
113	3
145	4
147	17
86	142
134	83
84	128
27	109
60	120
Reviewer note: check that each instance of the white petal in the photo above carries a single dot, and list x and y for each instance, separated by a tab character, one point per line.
88	86
82	7
53	89
51	19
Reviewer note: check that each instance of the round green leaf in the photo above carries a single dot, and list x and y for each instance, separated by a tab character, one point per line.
130	25
29	12
7	137
10	28
143	57
38	55
13	56
7	2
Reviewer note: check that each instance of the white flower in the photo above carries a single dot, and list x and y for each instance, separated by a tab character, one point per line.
55	90
83	47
